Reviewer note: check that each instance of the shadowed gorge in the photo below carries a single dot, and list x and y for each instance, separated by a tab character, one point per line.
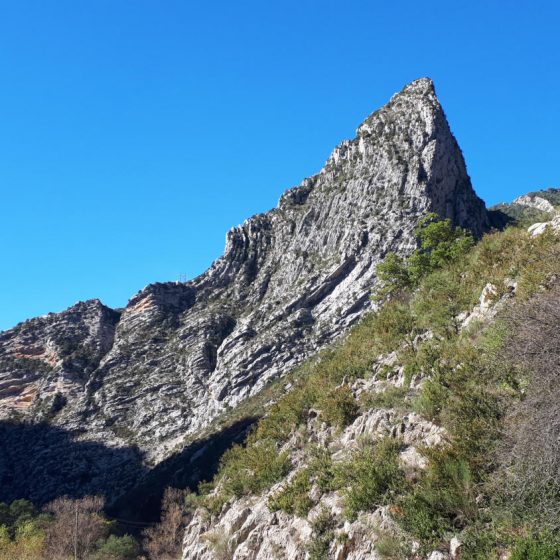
40	462
195	463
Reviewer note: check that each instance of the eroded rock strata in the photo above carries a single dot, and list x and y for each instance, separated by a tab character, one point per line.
290	281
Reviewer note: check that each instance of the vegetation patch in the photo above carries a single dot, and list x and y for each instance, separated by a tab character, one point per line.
491	386
323	534
372	476
294	497
254	468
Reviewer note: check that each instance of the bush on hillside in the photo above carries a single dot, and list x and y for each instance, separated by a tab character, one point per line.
322	536
542	547
294	497
439	242
254	468
372	476
117	548
442	501
338	406
531	450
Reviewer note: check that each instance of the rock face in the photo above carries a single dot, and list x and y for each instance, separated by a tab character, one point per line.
46	361
290	281
540	227
249	529
534	201
254	528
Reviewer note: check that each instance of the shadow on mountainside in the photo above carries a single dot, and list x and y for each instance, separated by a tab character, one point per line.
197	462
40	462
498	218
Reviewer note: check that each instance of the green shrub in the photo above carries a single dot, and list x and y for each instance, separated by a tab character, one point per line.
372	476
294	497
212	503
288	413
322	536
536	548
443	500
27	542
393	276
391	546
215	503
432	400
323	469
118	548
439	300
483	539
17	513
338	406
393	325
439	244
254	468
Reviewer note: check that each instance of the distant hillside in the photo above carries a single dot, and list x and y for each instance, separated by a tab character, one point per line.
527	209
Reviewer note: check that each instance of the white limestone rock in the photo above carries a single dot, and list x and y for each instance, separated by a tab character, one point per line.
540	227
454	547
535	201
290	281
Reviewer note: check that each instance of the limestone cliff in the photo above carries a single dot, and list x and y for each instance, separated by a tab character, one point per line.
290	281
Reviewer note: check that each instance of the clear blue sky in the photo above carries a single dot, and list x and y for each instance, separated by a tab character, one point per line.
134	134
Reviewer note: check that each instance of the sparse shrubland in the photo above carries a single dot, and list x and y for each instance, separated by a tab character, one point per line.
294	497
254	468
323	533
371	477
492	386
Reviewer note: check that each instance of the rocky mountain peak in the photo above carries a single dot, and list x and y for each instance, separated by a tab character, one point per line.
290	281
423	85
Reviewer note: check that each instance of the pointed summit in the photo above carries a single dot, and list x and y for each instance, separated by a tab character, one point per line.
411	134
422	86
290	281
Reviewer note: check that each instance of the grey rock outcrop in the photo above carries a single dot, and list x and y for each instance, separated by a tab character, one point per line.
253	530
540	227
49	359
534	201
290	281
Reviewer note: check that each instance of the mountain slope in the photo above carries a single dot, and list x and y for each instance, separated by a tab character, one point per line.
430	432
290	281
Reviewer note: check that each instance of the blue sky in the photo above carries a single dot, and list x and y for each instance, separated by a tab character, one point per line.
134	134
